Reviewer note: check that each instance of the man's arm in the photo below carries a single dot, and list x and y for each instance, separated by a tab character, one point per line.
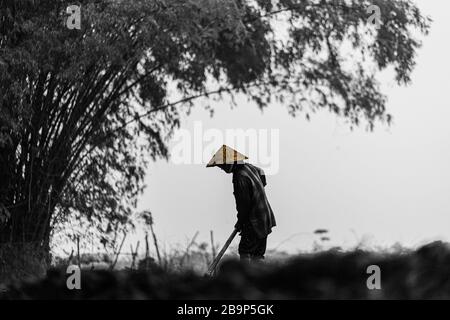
242	194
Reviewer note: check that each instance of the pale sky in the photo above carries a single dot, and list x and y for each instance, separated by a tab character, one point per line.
382	187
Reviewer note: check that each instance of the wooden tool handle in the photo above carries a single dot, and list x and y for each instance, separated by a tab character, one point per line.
214	264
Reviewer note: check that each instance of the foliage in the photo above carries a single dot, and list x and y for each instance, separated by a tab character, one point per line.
22	261
419	274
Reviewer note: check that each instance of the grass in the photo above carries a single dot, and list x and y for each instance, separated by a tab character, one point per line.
333	274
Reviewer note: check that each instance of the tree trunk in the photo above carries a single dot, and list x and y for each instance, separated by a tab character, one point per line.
25	244
26	227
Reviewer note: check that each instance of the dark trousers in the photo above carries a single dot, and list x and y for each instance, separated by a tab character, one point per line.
251	246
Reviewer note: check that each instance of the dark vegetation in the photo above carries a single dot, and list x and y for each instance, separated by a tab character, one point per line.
28	262
420	274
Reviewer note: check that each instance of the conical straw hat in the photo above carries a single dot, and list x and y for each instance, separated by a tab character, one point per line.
226	155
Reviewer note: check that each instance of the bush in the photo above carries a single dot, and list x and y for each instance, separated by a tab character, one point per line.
22	261
421	274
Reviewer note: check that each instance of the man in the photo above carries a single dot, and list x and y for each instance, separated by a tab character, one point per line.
255	216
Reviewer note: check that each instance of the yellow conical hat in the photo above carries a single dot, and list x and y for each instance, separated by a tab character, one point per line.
226	155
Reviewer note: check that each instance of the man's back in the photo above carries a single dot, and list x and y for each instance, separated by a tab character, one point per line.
251	200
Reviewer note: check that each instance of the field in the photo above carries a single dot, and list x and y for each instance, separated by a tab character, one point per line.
420	274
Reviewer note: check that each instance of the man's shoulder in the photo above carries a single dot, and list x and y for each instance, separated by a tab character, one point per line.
250	173
255	169
240	174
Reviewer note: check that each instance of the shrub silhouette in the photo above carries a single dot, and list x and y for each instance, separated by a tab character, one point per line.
420	274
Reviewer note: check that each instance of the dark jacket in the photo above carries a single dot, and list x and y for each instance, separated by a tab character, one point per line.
251	202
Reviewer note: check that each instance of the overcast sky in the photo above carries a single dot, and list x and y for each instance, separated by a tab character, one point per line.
382	187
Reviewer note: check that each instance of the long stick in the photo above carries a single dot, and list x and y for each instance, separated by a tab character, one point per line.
118	252
147	247
188	247
213	246
78	252
155	243
214	264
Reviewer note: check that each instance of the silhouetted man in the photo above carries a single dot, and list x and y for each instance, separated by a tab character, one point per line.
255	216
